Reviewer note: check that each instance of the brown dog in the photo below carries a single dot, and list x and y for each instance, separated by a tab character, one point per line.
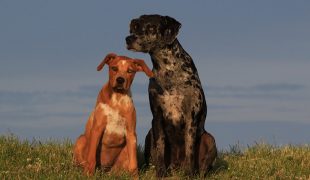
110	138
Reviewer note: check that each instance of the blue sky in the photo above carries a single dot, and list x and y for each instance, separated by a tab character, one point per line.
253	58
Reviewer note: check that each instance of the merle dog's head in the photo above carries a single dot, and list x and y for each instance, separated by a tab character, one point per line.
151	31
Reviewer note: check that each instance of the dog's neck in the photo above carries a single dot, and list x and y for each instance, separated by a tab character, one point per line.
172	57
107	95
122	100
118	94
173	67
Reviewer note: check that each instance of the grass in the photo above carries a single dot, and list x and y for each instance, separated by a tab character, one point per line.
53	160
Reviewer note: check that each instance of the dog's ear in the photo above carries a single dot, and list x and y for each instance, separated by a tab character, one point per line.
106	60
170	28
141	66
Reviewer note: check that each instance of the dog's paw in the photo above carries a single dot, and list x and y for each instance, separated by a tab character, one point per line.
161	172
188	168
133	170
89	169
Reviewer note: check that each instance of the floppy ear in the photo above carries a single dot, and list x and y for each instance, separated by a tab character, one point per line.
106	60
141	66
170	28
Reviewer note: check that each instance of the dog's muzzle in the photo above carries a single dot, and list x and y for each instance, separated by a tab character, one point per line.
119	85
130	39
120	80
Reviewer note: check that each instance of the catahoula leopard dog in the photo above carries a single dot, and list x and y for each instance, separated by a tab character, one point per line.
177	138
110	140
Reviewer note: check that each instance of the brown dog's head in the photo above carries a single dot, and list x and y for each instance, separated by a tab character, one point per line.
122	71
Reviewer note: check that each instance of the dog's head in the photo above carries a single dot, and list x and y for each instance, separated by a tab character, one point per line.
151	31
122	71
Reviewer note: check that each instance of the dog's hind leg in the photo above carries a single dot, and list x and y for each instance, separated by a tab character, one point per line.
207	152
79	151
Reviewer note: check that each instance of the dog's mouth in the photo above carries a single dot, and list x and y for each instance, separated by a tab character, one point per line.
137	48
130	41
119	89
131	48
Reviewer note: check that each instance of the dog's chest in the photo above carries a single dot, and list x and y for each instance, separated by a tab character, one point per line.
171	103
116	122
122	102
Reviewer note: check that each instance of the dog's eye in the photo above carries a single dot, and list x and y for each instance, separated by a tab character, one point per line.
130	71
114	68
150	29
136	27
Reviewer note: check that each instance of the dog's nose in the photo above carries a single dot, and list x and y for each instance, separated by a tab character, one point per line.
120	80
130	39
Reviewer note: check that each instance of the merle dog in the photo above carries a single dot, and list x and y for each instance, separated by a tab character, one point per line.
177	138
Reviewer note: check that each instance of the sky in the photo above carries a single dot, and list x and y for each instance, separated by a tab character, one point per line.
253	59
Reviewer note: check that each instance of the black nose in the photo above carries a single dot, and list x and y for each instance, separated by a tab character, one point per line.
120	80
130	39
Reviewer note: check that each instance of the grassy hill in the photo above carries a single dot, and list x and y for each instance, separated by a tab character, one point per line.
53	160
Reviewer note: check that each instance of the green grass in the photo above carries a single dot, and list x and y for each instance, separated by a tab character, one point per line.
53	160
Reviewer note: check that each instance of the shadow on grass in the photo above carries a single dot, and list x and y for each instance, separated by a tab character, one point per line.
222	165
219	166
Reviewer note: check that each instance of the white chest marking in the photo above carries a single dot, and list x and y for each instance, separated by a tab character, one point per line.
115	122
172	106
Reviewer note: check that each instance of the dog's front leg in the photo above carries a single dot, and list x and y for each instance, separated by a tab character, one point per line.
159	139
190	136
95	134
158	153
131	140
